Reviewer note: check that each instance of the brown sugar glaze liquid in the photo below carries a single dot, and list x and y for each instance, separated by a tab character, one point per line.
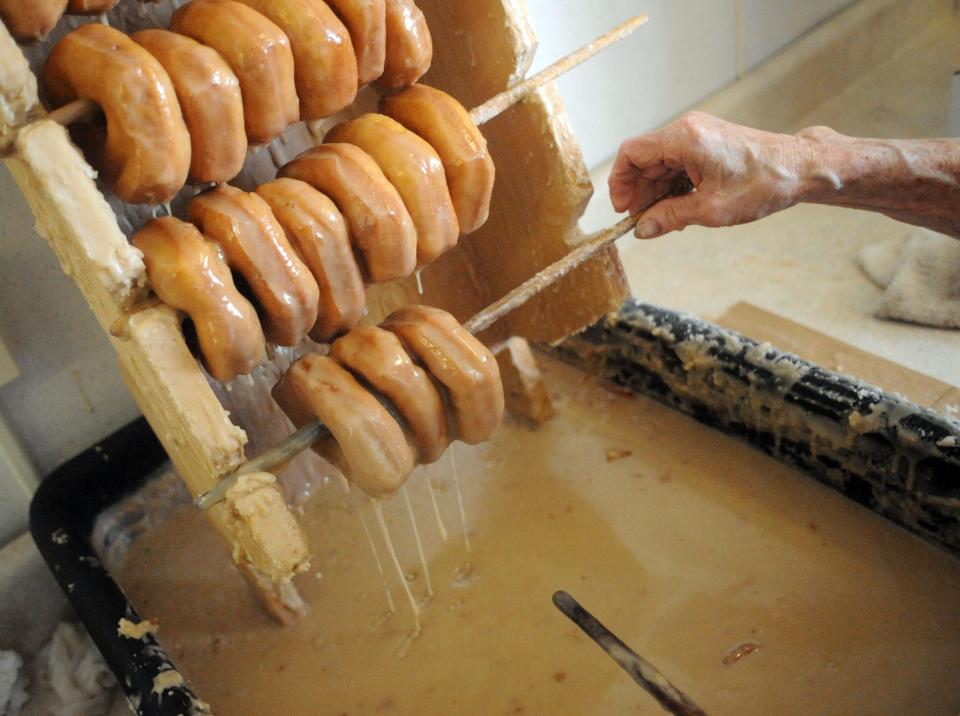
689	545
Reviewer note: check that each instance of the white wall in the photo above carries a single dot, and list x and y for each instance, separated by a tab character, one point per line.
769	25
685	52
69	393
688	50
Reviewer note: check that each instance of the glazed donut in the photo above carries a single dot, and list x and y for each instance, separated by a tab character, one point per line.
409	46
255	246
415	170
366	21
209	96
318	233
380	225
323	55
462	364
146	156
31	20
259	54
446	126
90	7
367	444
377	357
189	273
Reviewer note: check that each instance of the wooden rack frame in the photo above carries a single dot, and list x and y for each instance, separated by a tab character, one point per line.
482	48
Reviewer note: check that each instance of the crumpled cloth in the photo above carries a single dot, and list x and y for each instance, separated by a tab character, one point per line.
920	275
72	678
13	693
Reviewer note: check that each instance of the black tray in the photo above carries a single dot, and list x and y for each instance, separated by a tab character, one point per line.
63	514
880	450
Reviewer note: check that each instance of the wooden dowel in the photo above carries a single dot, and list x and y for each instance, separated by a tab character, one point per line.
506	99
549	276
285	450
80	110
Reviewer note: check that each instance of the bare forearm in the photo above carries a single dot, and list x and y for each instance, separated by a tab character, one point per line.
743	174
916	181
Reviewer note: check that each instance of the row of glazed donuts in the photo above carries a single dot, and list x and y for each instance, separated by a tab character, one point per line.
186	103
395	396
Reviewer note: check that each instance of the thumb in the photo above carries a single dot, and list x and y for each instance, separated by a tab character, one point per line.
671	214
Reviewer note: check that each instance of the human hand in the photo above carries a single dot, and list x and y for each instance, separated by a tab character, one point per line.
739	174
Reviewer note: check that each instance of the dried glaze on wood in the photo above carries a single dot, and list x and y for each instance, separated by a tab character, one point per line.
18	89
542	183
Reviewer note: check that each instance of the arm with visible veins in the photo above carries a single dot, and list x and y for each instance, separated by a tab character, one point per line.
911	180
742	174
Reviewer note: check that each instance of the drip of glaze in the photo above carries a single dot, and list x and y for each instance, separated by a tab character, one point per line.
376	558
419	282
168	208
456	488
436	508
396	563
416	537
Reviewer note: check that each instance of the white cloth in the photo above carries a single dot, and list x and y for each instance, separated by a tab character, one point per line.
920	275
73	679
13	693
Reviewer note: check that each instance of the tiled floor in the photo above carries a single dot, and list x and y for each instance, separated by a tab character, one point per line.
801	262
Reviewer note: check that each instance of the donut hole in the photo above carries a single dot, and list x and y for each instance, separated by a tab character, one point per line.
190	337
91	138
243	288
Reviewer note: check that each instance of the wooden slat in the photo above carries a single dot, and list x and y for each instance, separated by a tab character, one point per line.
162	375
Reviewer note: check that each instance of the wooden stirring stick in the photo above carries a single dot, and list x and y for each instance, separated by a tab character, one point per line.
672	699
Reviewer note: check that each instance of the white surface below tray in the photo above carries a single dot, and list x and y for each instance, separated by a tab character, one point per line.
31	606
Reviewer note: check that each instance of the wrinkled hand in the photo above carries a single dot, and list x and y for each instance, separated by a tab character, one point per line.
739	174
